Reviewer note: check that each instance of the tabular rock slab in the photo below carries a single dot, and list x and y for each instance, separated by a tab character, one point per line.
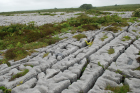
134	84
3	66
50	73
108	78
126	63
24	86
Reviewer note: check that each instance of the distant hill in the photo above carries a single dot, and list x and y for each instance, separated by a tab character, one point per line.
128	7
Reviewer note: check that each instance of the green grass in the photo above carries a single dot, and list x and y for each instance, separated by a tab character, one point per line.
29	65
138	68
79	36
19	75
114	29
18	38
99	64
134	30
4	61
111	51
122	89
62	14
119	71
45	55
126	38
16	53
48	14
104	37
83	69
5	90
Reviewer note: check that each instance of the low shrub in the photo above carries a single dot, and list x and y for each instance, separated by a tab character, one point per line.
5	90
113	29
4	61
16	53
79	36
136	13
19	75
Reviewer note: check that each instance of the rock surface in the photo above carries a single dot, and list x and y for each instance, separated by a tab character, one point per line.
74	67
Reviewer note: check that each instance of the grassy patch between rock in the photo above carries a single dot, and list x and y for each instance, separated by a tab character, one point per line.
79	36
126	38
19	75
121	89
111	51
104	37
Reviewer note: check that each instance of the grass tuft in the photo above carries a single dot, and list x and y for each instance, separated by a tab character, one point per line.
79	36
113	29
45	55
104	37
19	75
111	51
126	38
122	89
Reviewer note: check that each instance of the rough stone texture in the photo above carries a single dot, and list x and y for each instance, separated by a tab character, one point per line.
74	67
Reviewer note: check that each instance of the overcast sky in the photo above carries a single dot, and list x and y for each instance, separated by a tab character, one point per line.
17	5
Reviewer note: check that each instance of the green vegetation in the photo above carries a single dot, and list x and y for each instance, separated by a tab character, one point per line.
111	51
83	69
48	14
16	53
134	30
126	38
121	89
5	90
119	71
104	37
136	13
99	64
113	29
138	68
19	39
62	14
19	75
79	36
138	60
46	54
128	7
29	65
96	12
133	19
89	43
86	6
4	61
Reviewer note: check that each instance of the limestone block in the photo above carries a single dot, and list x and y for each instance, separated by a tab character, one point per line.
134	84
50	73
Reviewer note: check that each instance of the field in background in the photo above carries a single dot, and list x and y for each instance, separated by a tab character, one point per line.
129	7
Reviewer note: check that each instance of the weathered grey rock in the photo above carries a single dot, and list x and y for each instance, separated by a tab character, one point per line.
24	86
108	78
3	66
50	73
134	84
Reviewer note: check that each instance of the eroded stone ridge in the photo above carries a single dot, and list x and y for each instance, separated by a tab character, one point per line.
74	67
